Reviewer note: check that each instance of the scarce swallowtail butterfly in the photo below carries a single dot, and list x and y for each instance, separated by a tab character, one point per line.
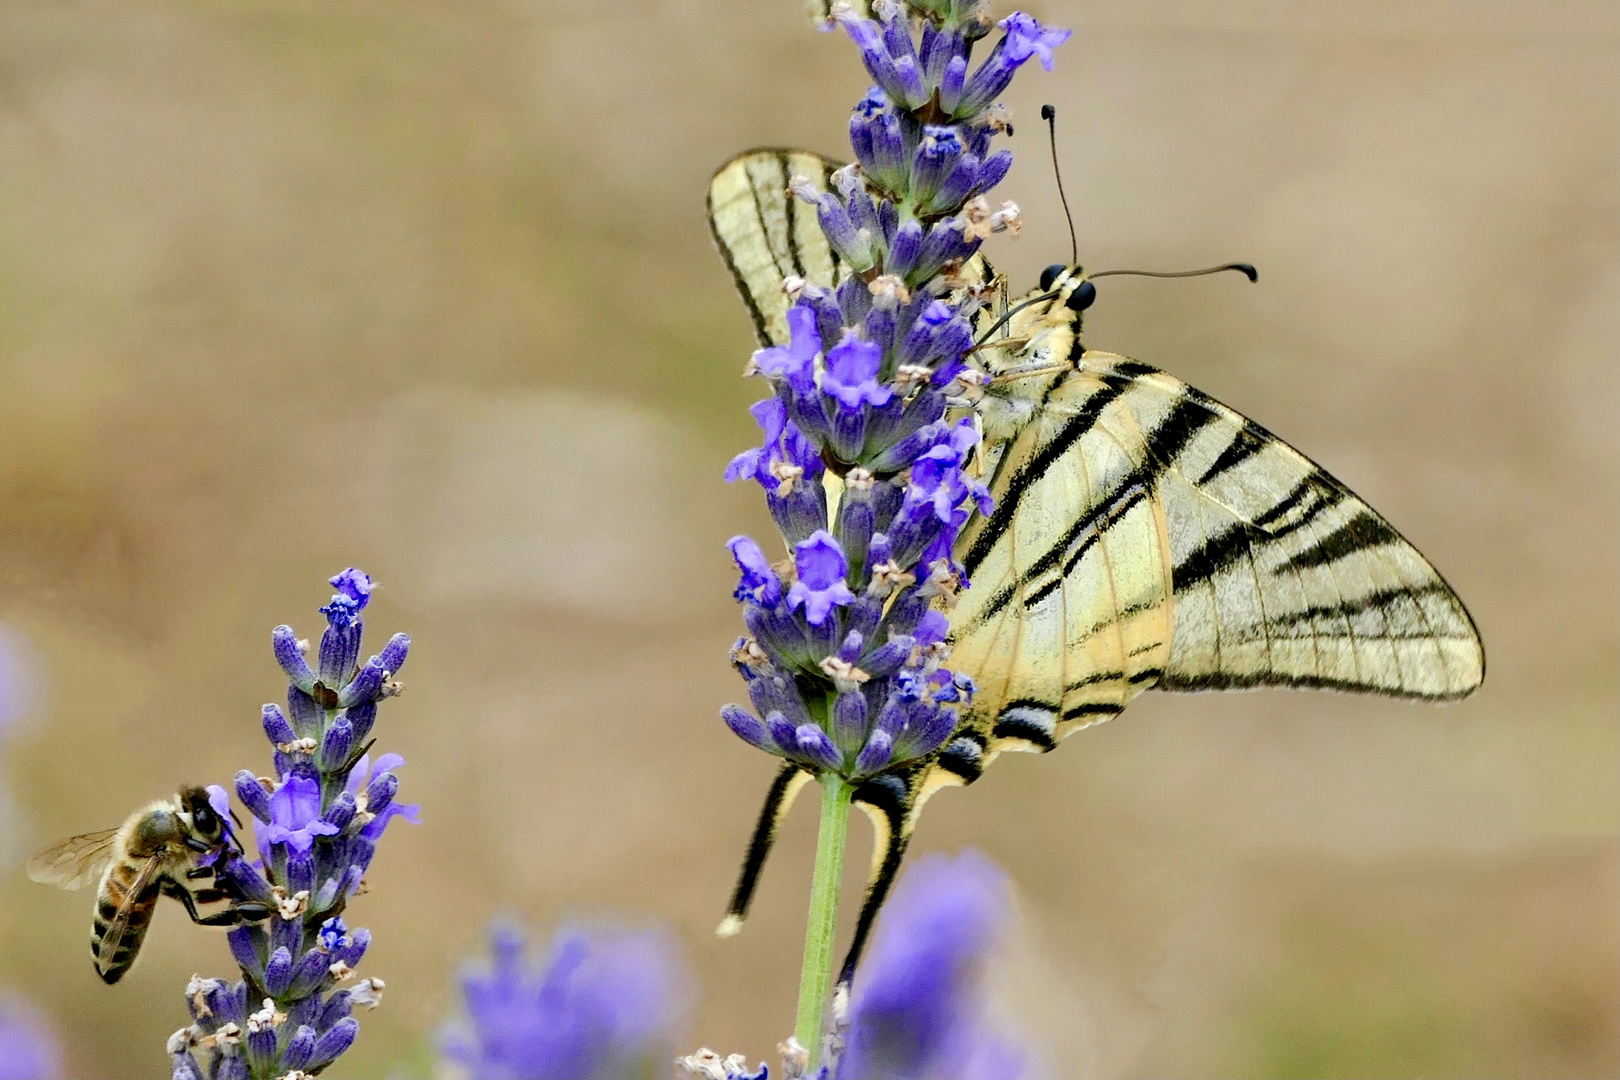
1144	536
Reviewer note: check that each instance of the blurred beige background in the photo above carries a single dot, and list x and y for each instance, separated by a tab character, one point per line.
289	285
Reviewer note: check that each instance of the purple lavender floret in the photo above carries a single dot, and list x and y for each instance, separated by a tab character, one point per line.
605	1003
29	1049
868	479
917	1010
318	820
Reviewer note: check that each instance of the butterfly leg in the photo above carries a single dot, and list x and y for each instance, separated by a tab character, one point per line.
778	801
888	801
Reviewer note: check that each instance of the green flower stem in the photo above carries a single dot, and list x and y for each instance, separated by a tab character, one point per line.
815	982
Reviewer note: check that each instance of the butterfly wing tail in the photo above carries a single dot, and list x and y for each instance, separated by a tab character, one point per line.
890	802
778	801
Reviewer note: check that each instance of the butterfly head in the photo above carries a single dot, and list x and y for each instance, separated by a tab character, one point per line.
1074	290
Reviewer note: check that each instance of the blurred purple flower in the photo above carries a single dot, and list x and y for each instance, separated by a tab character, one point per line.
918	1008
28	1047
605	1004
19	679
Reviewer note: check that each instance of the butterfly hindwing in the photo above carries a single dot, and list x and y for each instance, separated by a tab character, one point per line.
766	236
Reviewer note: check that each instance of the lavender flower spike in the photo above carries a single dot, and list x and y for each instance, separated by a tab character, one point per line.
317	822
606	1003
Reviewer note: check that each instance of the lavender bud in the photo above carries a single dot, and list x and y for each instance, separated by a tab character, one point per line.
232	1068
261	1045
875	754
905	249
393	654
341	812
338	1038
291	658
815	747
993	171
286	934
185	1067
245	880
380	792
800	512
951	83
306	715
337	744
748	727
300	1048
849	721
253	795
339	652
276	727
278	972
361	717
783	733
335	1011
888	658
925	735
300	873
366	686
309	973
359	941
247	949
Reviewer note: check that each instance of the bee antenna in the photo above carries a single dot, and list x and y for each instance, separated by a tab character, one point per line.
1246	269
1049	114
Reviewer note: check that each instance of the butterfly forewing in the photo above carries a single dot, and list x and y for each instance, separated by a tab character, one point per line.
1283	576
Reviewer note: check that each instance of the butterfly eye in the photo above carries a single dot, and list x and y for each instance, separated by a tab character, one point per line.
1083	297
1050	274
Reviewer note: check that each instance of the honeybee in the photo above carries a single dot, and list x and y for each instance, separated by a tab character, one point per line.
156	851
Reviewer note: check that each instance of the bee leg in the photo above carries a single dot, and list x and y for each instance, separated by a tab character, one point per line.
198	872
246	911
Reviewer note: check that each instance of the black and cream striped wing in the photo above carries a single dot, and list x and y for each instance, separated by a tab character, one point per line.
766	236
1069	614
1147	535
1282	576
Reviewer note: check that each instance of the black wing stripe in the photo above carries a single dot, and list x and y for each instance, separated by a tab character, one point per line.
1243	446
1084	419
1372	601
1088	530
792	211
1365	530
755	315
1211	557
759	213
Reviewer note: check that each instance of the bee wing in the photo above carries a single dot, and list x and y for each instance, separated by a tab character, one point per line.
114	935
75	861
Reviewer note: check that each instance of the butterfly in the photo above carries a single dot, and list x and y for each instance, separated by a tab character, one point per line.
1144	536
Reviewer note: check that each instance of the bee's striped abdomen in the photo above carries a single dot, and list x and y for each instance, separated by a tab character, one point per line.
114	958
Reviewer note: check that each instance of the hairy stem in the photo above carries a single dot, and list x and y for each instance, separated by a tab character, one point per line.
815	982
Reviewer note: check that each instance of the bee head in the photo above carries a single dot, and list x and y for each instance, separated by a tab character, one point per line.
195	808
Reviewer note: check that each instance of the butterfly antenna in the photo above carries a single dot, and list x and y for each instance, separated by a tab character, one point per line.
1049	114
1246	269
